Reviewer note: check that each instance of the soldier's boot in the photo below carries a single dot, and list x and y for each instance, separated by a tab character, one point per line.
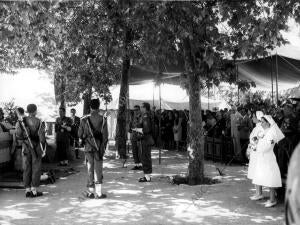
99	194
35	193
28	193
90	193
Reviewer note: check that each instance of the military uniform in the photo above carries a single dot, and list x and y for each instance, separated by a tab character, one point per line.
32	155
147	142
135	138
96	124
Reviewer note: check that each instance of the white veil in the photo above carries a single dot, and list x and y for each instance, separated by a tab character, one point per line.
259	115
274	129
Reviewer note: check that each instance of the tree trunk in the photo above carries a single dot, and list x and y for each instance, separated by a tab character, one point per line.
62	97
87	101
121	132
196	138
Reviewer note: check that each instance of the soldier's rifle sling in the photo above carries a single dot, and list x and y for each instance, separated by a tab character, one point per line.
91	132
41	145
27	135
102	129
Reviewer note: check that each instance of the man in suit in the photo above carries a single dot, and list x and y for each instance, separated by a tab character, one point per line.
93	131
74	132
245	127
63	128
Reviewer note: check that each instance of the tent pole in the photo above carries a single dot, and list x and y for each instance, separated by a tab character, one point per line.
272	95
237	78
277	99
208	96
153	95
159	126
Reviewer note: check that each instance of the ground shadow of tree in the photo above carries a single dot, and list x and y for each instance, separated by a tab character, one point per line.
158	202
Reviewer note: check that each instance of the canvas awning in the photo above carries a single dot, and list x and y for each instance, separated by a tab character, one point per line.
257	70
263	70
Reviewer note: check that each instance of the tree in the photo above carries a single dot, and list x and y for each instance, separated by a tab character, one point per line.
123	21
207	33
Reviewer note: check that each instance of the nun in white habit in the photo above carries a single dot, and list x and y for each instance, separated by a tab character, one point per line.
256	134
267	172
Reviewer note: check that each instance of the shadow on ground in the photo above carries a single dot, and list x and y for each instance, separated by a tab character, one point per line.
130	202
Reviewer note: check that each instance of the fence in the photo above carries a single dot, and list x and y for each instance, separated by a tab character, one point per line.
219	149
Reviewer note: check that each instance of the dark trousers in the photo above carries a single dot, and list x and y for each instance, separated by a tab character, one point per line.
62	145
74	142
136	150
146	158
32	170
244	146
94	168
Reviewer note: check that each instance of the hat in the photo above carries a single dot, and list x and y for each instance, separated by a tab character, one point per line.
31	108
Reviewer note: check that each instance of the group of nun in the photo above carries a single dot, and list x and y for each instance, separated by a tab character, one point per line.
263	169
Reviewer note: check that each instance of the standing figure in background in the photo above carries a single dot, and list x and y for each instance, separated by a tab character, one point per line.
147	142
136	122
177	129
74	132
93	130
184	125
245	127
31	131
169	123
234	123
63	128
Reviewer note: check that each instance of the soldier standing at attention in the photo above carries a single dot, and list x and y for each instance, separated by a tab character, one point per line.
74	138
31	131
93	131
135	138
147	142
63	127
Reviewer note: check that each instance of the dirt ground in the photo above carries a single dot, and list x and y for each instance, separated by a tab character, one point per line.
130	202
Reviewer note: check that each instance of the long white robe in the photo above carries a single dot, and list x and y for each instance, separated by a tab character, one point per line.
253	154
266	172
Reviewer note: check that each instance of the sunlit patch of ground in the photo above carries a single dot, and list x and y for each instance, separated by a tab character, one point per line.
130	202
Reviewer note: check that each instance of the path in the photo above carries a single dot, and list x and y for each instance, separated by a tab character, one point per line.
130	202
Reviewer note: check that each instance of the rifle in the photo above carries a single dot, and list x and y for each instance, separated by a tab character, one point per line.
41	145
91	132
27	135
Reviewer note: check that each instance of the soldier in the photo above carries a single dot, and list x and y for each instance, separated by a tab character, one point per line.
135	137
74	137
31	131
147	142
63	127
93	131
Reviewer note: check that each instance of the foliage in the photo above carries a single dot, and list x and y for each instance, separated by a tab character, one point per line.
9	110
89	43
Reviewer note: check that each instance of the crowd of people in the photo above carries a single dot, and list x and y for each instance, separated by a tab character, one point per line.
171	126
256	131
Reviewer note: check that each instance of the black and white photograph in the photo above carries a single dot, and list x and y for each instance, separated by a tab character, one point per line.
149	112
